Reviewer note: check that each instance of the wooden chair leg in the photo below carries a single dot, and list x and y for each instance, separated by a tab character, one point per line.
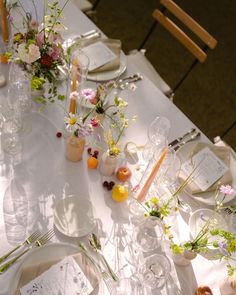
95	4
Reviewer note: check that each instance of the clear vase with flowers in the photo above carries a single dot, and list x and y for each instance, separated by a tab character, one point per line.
37	49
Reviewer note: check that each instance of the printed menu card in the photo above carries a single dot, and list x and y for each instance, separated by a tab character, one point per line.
63	278
208	168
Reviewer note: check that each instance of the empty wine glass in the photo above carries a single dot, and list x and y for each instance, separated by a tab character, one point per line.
158	132
79	70
149	234
154	271
128	286
169	170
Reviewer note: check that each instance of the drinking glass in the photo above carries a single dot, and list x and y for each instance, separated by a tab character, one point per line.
19	89
79	70
128	286
158	132
149	234
169	170
154	271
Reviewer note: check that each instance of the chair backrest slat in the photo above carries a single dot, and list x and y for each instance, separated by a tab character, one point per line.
180	35
190	23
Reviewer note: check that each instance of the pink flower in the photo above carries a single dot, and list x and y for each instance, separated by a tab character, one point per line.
88	94
40	39
94	122
34	25
74	95
55	52
227	190
30	54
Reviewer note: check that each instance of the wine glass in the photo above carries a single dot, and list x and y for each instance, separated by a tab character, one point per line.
79	70
169	170
154	271
149	234
158	132
128	286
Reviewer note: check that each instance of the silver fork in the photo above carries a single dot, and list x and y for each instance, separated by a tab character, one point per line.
109	282
39	243
31	239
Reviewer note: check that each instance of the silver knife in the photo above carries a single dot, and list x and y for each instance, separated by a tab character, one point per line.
192	137
179	139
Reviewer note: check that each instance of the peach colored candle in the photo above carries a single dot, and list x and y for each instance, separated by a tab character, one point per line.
4	25
73	86
141	196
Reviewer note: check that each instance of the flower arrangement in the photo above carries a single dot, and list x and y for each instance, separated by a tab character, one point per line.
114	112
210	236
74	124
38	49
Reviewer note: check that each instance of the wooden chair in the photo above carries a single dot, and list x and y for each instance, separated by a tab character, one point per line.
198	52
84	5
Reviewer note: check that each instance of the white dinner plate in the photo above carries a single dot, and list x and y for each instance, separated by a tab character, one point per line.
50	252
197	221
73	216
207	197
110	75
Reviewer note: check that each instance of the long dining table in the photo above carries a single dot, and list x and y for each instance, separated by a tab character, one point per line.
41	176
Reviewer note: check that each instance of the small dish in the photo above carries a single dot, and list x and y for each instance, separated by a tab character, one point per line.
73	216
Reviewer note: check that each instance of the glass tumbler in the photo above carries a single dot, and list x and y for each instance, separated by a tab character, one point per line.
149	234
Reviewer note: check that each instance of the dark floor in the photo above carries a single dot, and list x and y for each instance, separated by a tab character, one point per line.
208	95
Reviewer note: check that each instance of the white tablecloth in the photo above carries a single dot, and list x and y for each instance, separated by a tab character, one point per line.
42	176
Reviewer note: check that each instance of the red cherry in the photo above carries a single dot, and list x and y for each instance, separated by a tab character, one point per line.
89	150
59	134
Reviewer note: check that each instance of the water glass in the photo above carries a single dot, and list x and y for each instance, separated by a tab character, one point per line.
128	286
154	271
149	234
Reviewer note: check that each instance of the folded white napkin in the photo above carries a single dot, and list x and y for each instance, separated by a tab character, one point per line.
114	45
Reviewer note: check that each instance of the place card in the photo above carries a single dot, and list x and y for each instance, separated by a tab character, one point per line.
99	55
209	168
65	277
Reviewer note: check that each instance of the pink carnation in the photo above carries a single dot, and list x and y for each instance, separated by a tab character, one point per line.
227	190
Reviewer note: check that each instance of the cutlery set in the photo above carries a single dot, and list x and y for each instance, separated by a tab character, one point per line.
191	135
108	275
33	241
125	82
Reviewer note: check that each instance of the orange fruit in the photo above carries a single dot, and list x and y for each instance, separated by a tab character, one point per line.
92	163
119	193
3	59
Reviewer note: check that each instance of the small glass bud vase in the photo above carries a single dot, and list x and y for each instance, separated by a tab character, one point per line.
108	164
74	148
185	258
228	286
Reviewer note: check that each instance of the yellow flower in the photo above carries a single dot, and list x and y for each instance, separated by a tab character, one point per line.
72	121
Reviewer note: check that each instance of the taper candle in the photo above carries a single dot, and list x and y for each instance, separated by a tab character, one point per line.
72	108
4	24
142	194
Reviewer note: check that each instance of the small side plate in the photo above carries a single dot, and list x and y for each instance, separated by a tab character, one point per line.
73	216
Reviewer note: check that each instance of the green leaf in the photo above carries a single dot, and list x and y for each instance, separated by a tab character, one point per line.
61	97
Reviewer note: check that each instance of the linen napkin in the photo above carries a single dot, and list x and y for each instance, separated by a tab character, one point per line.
31	272
222	153
114	45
